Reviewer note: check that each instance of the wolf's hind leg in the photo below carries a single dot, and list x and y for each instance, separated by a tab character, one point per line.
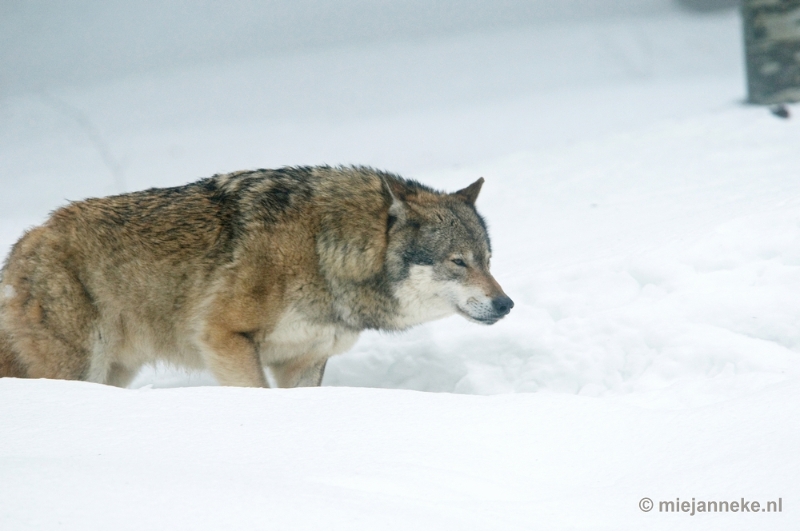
46	354
299	373
48	321
232	358
10	365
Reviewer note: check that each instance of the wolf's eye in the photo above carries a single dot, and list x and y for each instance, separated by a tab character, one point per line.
459	262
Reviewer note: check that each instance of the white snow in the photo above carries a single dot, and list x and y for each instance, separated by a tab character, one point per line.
645	222
82	456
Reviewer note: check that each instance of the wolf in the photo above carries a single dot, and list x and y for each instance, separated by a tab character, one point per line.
277	269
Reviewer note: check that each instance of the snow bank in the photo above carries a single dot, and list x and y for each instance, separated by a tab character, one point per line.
83	456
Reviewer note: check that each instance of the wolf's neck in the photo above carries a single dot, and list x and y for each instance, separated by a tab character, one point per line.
418	299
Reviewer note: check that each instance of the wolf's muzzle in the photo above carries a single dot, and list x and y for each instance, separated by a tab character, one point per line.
502	305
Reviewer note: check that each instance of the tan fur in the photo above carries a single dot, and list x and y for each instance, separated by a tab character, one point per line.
9	363
278	269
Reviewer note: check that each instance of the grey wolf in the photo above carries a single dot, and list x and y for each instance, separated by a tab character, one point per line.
269	268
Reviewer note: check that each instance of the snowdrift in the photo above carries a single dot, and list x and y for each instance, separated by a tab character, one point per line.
83	456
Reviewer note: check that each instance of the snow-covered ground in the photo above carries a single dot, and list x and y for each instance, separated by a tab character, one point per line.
645	222
83	456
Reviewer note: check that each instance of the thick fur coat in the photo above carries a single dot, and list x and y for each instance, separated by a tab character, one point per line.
237	272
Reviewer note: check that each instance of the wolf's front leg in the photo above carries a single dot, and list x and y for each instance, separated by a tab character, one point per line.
300	372
232	358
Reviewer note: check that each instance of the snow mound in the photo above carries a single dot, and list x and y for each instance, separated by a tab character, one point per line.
85	456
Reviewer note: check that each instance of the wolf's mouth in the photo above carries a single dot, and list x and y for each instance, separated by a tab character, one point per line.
482	320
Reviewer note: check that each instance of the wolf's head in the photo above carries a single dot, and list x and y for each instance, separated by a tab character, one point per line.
438	255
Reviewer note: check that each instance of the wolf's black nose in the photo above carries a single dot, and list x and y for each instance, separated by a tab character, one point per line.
502	305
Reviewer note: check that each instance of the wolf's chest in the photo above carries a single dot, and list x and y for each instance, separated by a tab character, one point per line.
296	335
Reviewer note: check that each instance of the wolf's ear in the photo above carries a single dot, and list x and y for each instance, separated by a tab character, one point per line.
397	209
470	193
